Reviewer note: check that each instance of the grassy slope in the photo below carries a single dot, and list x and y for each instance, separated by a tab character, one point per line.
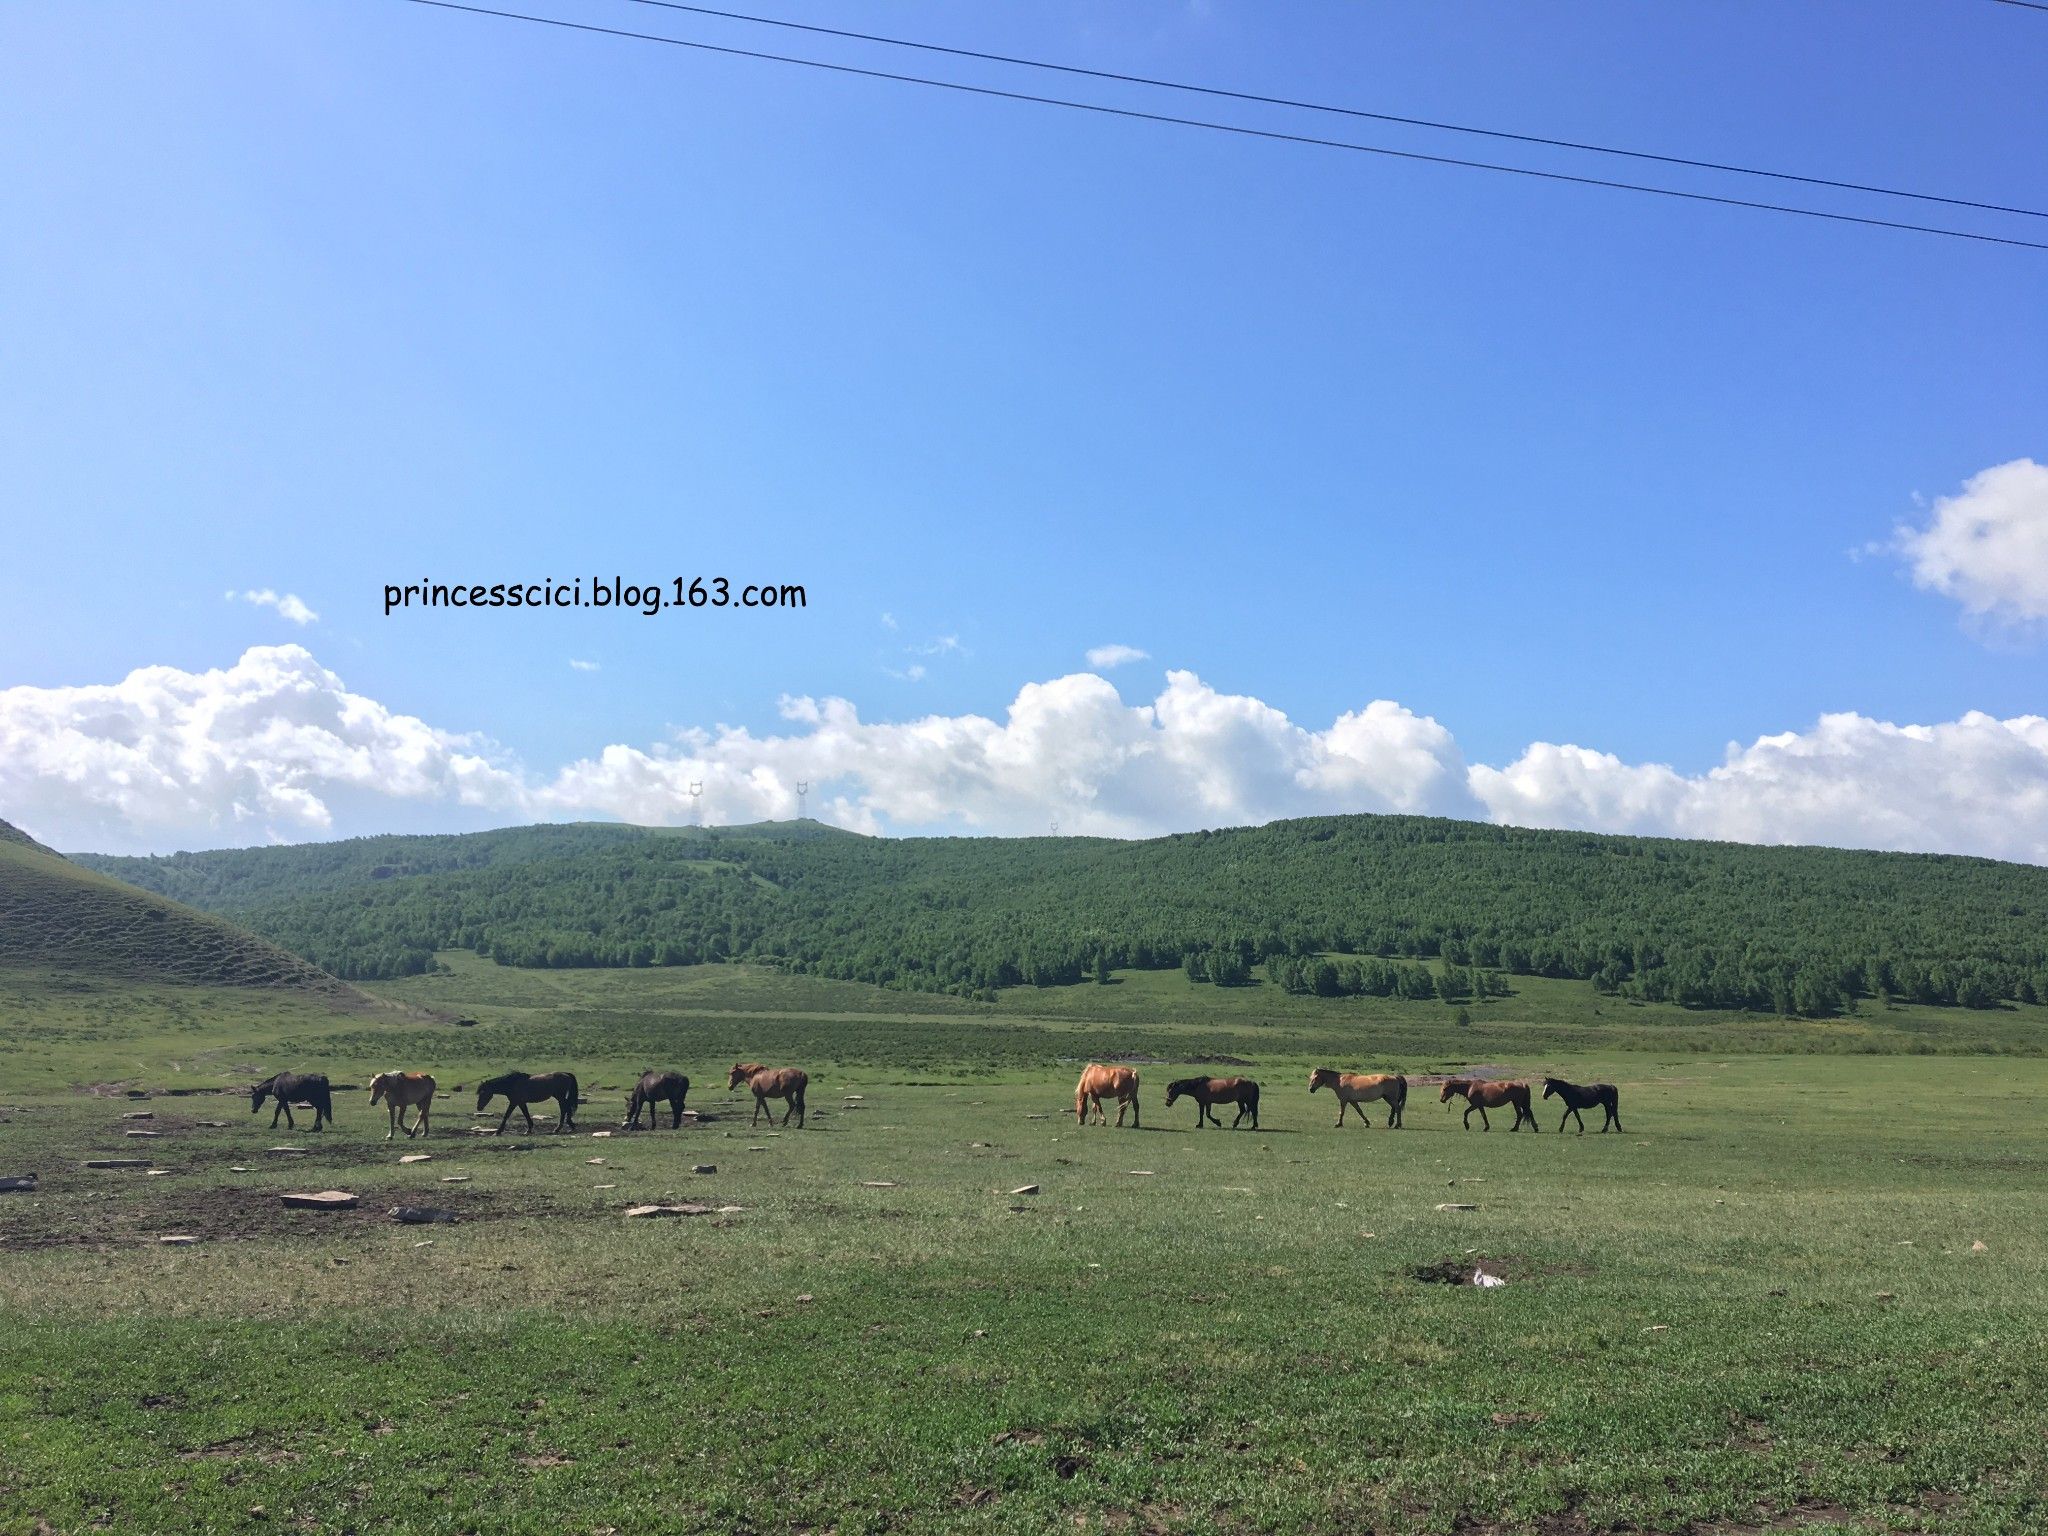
56	916
1759	1305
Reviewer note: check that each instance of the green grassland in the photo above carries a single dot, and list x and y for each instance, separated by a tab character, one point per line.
1760	1308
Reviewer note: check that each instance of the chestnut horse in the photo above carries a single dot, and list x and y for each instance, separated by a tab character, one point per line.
1355	1090
656	1088
289	1088
1210	1091
1578	1096
771	1083
1485	1096
401	1091
1098	1083
521	1089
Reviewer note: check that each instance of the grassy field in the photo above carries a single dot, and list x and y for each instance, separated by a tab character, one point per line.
1761	1308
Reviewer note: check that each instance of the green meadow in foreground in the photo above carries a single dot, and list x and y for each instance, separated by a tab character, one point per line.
1762	1307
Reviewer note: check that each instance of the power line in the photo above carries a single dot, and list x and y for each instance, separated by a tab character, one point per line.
2025	5
1354	112
1238	129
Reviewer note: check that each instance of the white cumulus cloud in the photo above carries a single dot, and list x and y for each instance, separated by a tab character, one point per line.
1103	657
167	758
1987	546
582	666
289	605
277	745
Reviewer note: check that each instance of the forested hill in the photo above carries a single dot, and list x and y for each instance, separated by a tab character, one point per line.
1379	904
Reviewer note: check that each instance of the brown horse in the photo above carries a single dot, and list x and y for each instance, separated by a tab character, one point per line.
1355	1090
1578	1096
401	1091
771	1083
1098	1083
1485	1096
1210	1091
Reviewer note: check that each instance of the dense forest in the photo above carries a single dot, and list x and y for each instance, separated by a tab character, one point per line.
1401	906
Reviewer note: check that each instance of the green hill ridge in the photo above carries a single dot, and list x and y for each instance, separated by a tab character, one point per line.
56	915
1383	905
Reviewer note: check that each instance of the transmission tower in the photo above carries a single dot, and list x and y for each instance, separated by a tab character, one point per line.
803	787
696	805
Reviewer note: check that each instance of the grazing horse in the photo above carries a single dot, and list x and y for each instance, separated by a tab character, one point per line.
1210	1091
655	1088
1485	1096
1355	1090
402	1091
521	1089
1098	1083
1578	1096
771	1083
741	1071
289	1088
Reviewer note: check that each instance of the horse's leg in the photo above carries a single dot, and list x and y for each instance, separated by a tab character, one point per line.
1578	1117
758	1102
506	1118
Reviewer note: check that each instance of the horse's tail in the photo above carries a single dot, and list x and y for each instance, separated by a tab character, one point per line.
1251	1097
575	1096
1400	1093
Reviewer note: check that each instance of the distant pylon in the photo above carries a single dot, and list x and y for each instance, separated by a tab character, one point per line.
696	806
1055	829
803	787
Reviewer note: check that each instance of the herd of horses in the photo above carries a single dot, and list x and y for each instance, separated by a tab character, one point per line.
1352	1090
402	1091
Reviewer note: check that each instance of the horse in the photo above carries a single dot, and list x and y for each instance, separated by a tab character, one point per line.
1098	1083
1210	1091
401	1091
521	1089
741	1071
1578	1096
289	1088
655	1088
1485	1096
1355	1090
771	1083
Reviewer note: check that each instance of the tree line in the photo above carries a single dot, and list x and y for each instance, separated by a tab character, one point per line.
1384	906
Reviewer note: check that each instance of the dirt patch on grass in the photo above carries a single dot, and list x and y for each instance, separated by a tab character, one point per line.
217	1213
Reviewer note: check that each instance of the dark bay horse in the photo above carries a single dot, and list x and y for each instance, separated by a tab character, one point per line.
1485	1096
656	1088
1098	1083
1578	1096
521	1089
771	1083
1355	1090
1210	1091
289	1088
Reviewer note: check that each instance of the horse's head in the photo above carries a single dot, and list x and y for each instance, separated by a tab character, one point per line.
1322	1077
257	1095
1175	1090
1549	1086
1453	1086
487	1091
741	1071
378	1085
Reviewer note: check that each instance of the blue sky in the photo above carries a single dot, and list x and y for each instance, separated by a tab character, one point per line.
314	296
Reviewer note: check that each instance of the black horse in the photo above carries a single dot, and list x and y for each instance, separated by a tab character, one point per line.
654	1089
521	1089
1210	1091
1578	1096
289	1088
